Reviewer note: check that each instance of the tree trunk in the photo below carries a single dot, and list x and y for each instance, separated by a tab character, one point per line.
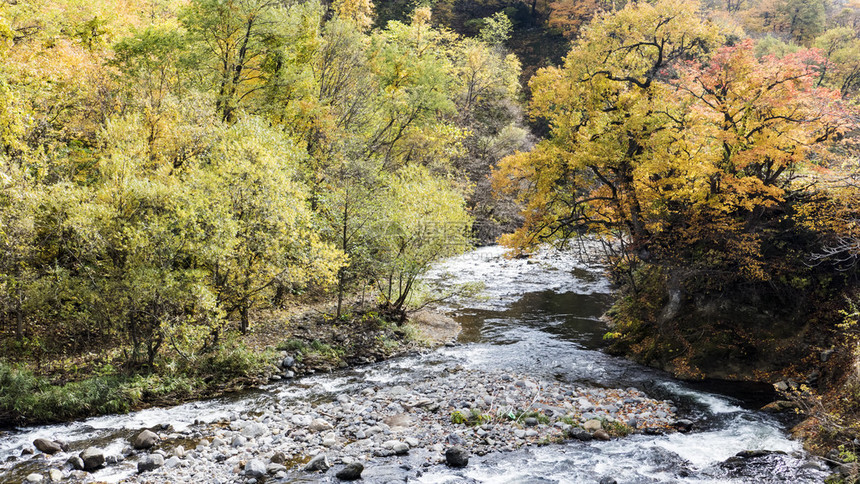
244	323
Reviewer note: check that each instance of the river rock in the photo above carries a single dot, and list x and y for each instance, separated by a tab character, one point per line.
592	425
288	362
318	425
92	458
602	435
396	446
351	472
455	439
172	462
47	446
34	478
398	422
56	475
301	420
254	430
683	425
779	406
150	462
580	434
145	440
318	463
457	457
607	480
75	462
278	458
238	441
255	468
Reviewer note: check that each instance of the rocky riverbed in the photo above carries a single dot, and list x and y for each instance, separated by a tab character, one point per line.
467	410
530	373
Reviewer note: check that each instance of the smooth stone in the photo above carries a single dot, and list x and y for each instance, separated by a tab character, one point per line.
92	458
253	430
351	472
75	462
144	440
318	463
47	446
592	425
396	446
318	425
172	462
255	468
580	434
56	475
601	435
301	420
35	478
457	457
238	441
150	462
278	458
330	440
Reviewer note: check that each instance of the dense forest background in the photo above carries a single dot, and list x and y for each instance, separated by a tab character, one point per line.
173	172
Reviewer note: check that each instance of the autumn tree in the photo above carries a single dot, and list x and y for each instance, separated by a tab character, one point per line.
569	16
248	187
841	48
671	164
604	105
231	38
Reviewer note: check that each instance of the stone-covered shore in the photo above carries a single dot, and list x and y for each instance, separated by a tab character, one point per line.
441	420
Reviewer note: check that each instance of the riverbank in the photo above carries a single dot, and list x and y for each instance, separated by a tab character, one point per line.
474	412
96	383
529	376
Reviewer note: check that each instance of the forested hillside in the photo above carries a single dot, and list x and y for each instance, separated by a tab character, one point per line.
174	173
169	169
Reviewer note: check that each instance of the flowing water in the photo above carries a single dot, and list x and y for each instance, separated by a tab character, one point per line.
540	317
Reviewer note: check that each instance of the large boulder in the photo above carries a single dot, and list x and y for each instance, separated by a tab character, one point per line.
47	446
144	440
92	458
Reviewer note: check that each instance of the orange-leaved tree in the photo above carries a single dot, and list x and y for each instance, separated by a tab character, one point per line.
683	151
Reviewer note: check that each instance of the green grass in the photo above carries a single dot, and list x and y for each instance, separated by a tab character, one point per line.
472	419
26	398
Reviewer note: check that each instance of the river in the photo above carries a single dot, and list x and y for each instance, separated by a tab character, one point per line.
539	317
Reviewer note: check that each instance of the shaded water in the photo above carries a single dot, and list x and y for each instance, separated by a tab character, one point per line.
539	317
